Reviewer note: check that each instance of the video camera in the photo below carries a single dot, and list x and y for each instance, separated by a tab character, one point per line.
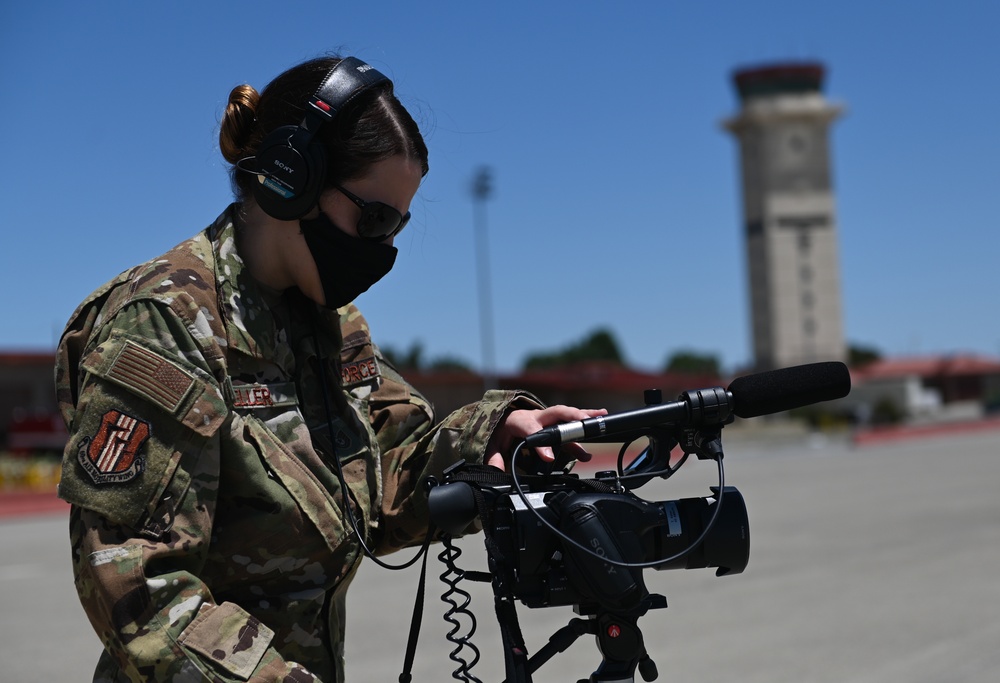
555	539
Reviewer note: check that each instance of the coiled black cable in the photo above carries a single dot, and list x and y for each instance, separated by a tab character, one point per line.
459	601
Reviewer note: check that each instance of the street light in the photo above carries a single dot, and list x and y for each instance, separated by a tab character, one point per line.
482	188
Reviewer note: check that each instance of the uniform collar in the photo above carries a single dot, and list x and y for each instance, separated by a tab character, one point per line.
251	325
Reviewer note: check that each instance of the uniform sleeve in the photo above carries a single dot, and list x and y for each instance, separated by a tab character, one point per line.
414	447
141	469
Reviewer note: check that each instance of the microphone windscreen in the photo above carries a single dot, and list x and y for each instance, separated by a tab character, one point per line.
769	392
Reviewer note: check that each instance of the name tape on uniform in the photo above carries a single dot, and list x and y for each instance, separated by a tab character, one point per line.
255	396
360	371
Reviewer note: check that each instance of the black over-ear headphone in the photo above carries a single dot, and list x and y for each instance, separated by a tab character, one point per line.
291	162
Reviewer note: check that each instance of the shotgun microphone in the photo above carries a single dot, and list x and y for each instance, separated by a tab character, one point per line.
761	393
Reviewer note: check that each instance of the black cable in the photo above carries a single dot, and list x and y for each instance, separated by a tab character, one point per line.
621	457
603	558
458	608
240	167
340	472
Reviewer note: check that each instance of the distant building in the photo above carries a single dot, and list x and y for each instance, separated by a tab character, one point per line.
589	384
789	218
29	417
928	388
601	384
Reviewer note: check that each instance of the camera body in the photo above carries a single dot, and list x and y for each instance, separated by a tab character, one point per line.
546	570
558	541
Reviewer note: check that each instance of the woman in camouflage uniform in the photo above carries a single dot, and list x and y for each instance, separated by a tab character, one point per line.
221	396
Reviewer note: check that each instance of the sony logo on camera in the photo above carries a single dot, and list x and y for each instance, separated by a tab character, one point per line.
595	543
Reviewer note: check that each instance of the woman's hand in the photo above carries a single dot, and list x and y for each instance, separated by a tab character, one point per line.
518	424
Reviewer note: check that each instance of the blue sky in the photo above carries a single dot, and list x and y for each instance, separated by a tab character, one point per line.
617	199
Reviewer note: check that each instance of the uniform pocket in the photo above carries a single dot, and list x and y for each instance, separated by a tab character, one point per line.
284	465
229	637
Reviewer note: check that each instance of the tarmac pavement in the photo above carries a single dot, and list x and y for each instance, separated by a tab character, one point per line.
869	564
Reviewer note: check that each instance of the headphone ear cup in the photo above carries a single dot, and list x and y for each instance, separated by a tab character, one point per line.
289	179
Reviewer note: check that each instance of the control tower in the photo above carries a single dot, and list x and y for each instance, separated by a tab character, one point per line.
789	217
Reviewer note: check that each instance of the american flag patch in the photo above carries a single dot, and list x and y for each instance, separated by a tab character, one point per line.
151	376
112	455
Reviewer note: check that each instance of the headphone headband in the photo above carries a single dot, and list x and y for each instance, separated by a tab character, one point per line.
291	165
346	81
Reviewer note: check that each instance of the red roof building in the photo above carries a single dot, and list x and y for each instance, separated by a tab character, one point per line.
954	377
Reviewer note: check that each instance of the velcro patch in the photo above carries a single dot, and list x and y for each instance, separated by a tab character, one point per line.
151	376
113	455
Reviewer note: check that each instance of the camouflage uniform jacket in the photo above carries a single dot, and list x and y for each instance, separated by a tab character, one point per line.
208	535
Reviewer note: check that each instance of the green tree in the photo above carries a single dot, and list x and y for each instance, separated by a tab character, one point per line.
859	356
692	362
598	345
449	364
412	359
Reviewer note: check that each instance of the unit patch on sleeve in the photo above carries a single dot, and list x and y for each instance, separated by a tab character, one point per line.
113	455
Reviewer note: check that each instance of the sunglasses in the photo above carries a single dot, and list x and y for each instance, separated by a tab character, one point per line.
378	221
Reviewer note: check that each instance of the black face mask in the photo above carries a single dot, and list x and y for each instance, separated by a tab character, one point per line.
347	265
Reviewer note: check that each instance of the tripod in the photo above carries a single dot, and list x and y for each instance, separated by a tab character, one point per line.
619	640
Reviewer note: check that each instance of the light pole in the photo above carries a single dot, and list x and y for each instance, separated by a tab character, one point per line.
482	188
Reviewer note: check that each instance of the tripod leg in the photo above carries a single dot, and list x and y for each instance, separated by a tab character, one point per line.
560	641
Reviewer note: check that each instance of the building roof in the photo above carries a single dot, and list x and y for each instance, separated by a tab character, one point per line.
774	79
22	358
927	367
611	377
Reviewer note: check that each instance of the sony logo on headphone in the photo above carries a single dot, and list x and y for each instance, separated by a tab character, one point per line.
283	167
363	68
